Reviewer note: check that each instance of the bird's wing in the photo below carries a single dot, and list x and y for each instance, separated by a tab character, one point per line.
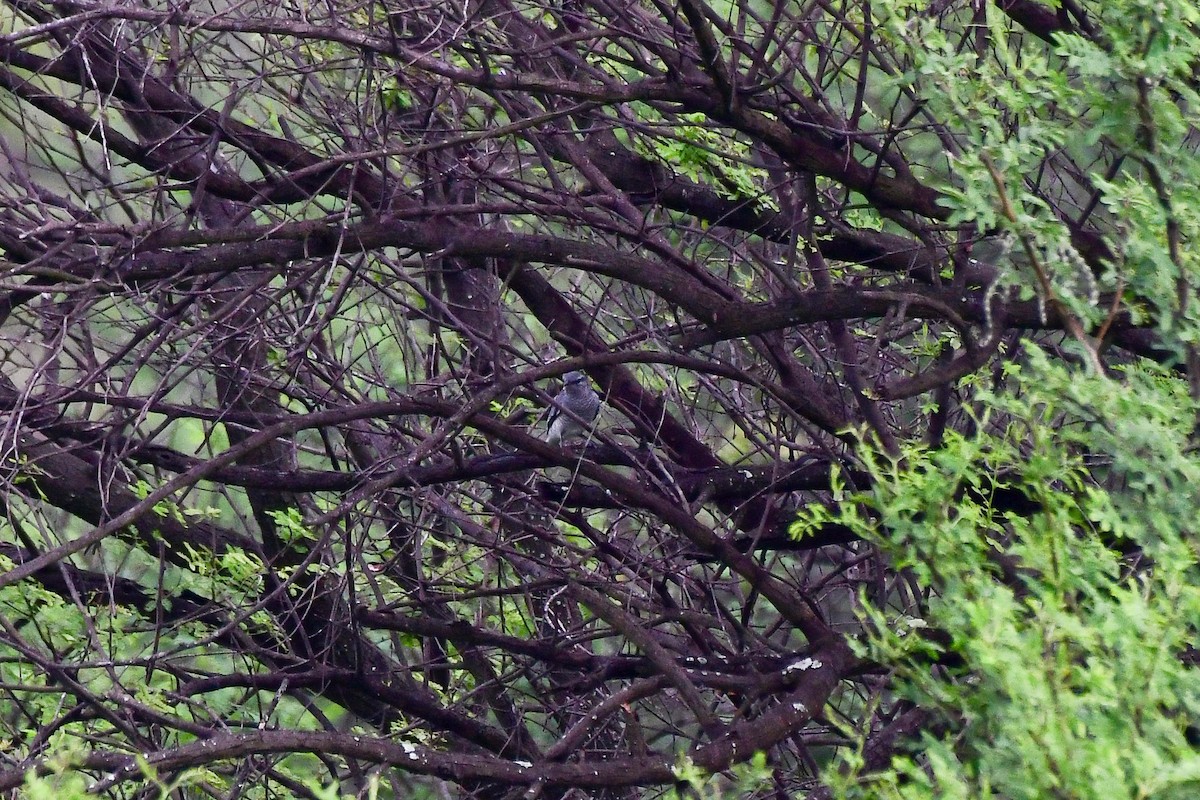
554	411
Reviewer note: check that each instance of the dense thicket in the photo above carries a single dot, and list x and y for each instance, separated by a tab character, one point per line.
891	306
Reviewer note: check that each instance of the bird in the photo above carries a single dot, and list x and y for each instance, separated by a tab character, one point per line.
572	409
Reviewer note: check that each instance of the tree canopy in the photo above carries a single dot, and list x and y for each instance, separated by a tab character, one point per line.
891	306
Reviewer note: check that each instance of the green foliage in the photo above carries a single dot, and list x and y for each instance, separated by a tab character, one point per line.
706	155
62	784
1062	673
741	781
1057	539
1061	657
1130	91
290	528
166	509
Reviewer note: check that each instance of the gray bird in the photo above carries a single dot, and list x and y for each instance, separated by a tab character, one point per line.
578	399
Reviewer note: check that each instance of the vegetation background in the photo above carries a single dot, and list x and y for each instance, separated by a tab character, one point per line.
892	305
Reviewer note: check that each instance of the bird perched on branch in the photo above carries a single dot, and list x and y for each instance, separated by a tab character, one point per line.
573	409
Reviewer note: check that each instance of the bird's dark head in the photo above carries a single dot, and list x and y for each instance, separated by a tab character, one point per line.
572	378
